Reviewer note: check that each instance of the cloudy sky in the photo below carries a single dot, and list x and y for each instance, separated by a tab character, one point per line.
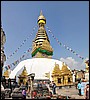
73	64
68	21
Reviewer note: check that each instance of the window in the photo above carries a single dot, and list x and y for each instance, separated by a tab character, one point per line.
69	79
59	80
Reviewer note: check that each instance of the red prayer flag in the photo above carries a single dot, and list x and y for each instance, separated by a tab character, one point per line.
9	66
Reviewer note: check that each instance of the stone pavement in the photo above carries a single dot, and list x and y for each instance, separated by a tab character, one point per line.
72	92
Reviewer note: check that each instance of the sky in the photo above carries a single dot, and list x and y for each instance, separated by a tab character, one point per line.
67	20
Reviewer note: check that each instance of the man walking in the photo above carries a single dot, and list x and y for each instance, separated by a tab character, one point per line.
79	87
87	92
54	88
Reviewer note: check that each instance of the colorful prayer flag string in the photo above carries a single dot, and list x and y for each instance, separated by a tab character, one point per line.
22	43
17	61
66	47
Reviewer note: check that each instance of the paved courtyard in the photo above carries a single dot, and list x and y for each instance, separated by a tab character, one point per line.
72	92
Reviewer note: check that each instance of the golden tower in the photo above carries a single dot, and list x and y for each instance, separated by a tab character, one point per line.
23	77
6	74
56	73
87	66
41	44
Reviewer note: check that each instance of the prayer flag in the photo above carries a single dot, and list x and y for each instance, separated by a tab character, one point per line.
9	66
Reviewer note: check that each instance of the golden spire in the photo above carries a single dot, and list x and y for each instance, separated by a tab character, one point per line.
41	43
64	66
41	19
24	72
6	74
87	65
23	76
41	13
64	69
56	70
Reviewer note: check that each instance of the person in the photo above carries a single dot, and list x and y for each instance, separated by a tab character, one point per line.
39	86
24	93
79	88
83	85
54	88
50	85
27	85
76	85
87	92
2	87
2	92
16	84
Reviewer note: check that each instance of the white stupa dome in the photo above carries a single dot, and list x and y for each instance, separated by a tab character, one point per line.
39	66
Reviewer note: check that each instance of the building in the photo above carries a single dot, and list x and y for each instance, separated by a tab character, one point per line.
87	66
80	74
3	57
62	77
87	70
42	63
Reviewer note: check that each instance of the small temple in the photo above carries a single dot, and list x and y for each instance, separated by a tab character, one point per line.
6	74
62	77
23	77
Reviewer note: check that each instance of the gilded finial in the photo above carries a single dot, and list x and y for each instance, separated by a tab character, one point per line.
41	18
41	13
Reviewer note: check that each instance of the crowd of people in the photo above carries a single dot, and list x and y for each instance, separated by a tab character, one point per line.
82	86
83	89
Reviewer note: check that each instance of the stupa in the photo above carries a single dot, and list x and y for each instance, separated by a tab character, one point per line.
42	52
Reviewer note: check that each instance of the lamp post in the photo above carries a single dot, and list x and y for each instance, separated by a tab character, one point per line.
31	77
29	84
